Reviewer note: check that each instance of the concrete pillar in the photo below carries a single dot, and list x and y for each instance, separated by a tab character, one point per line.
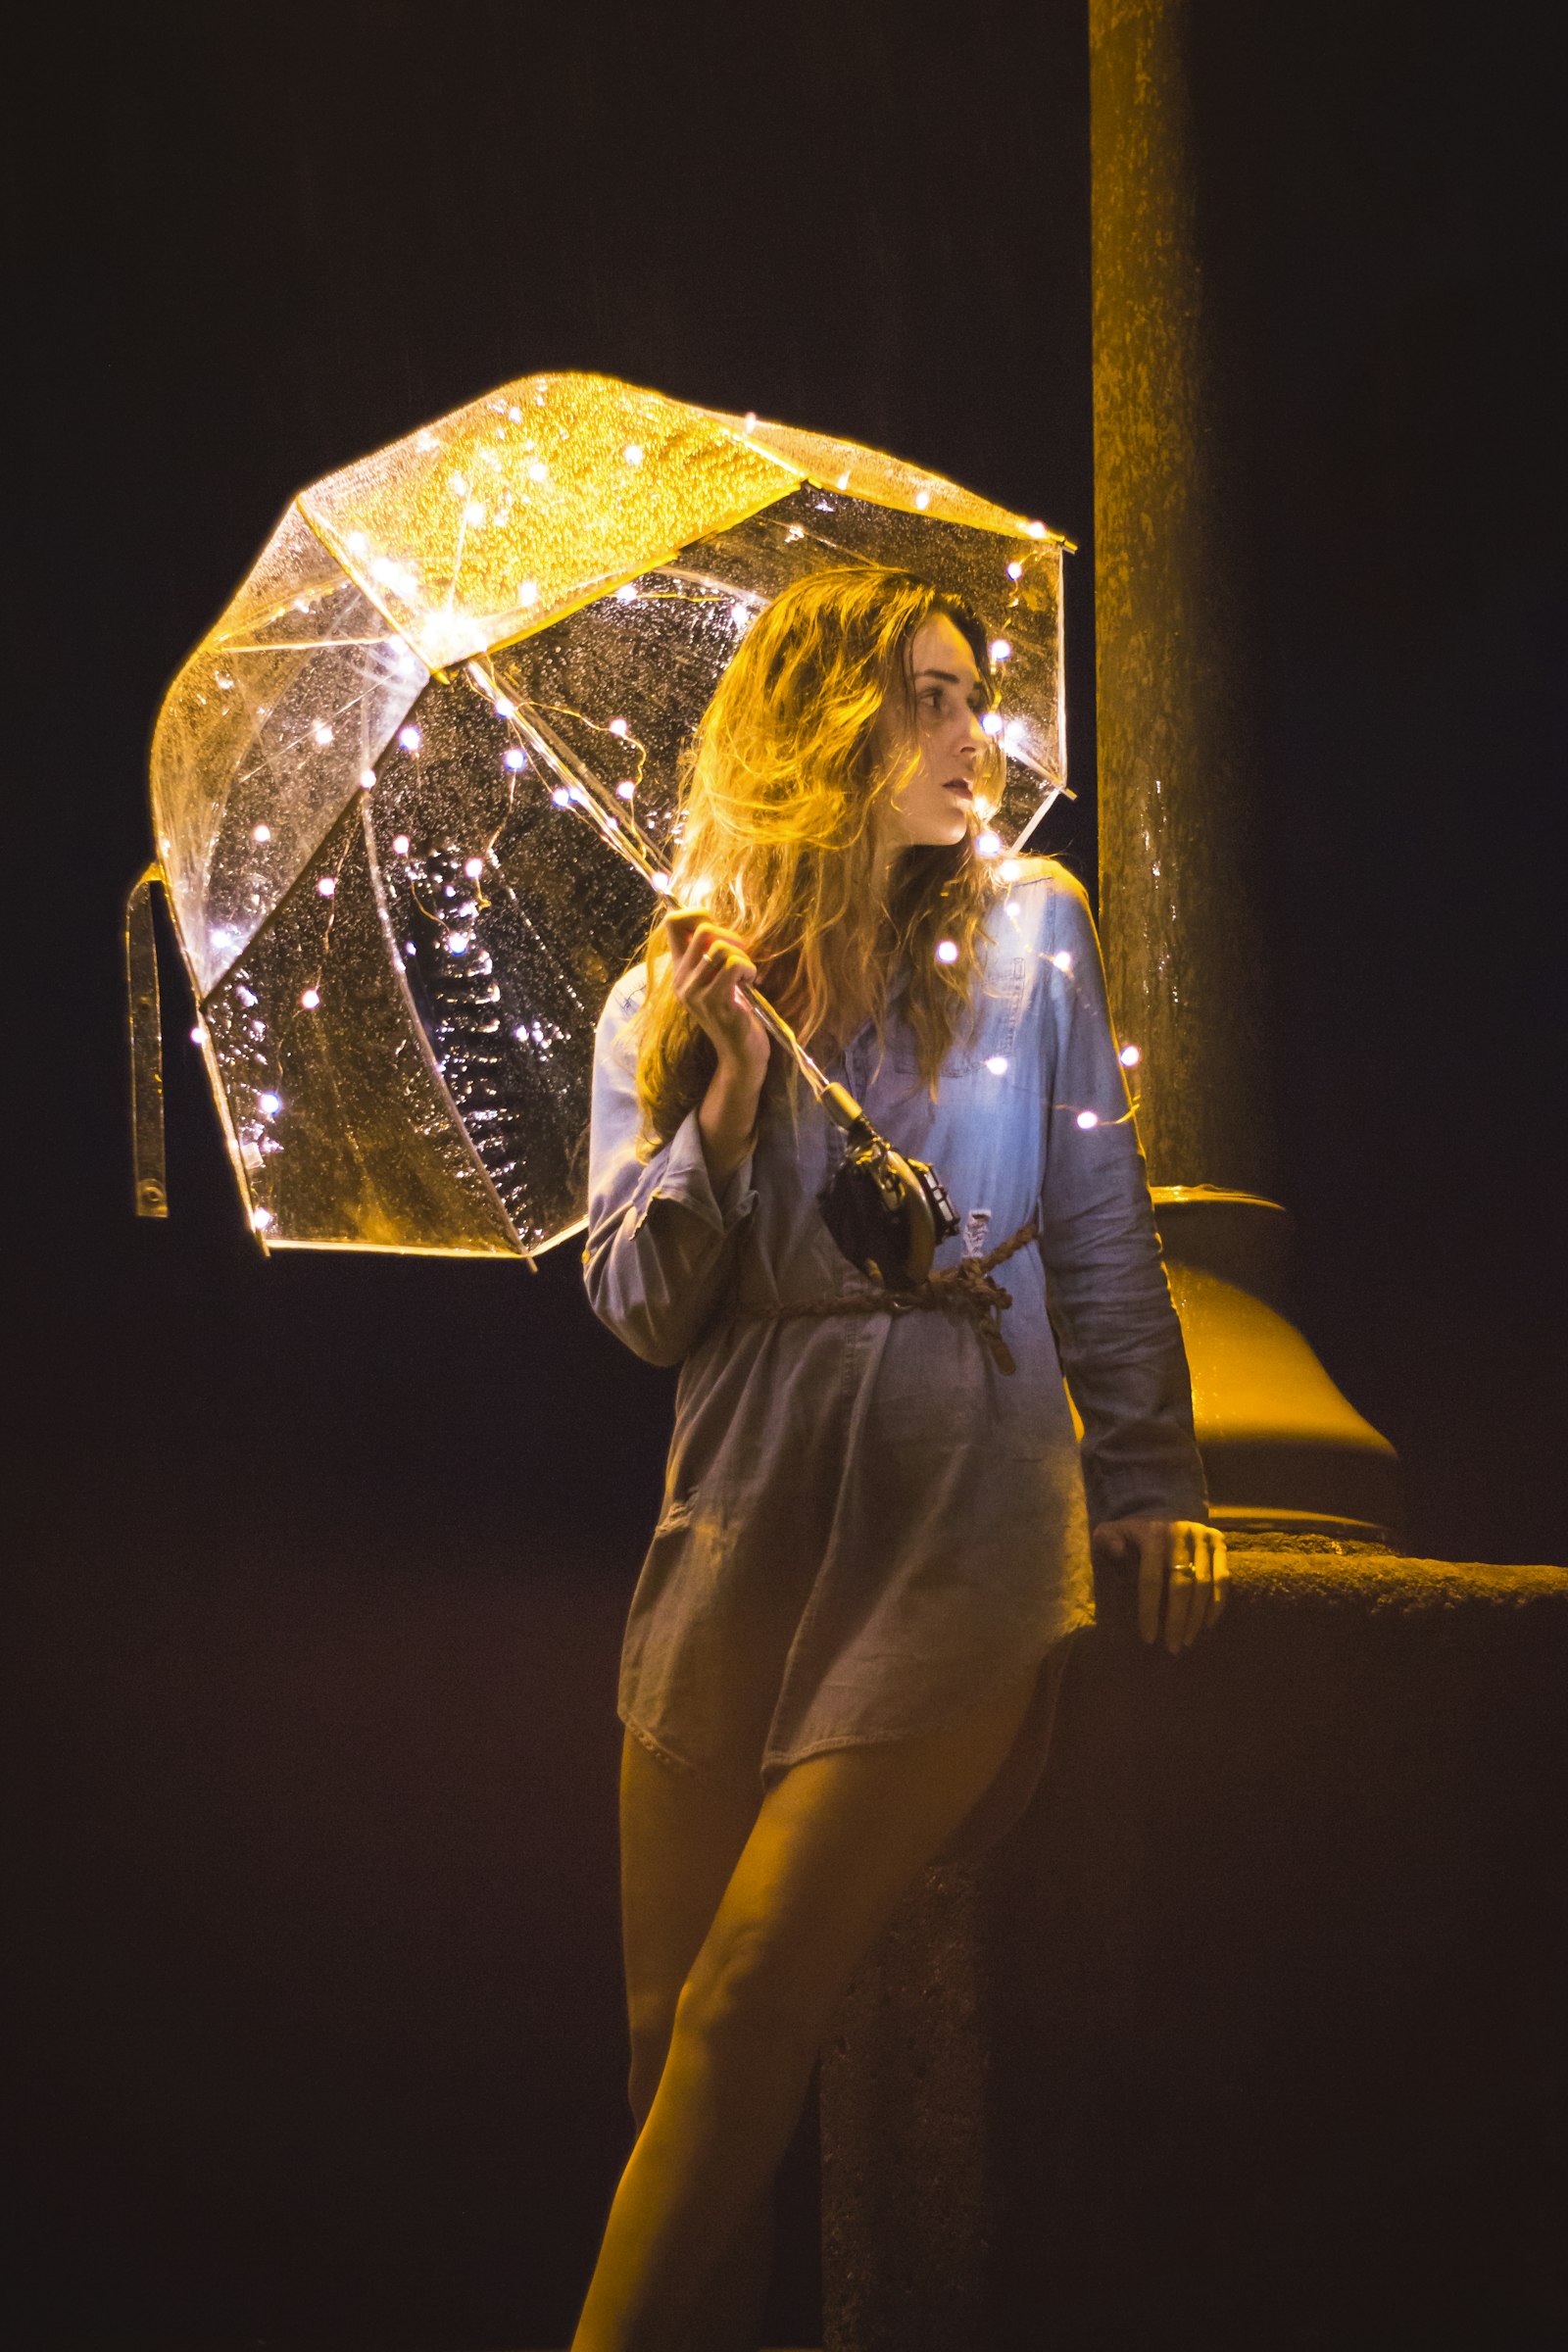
1179	785
1178	773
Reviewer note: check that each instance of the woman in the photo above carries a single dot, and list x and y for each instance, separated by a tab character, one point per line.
845	1645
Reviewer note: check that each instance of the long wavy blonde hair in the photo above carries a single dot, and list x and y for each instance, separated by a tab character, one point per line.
783	796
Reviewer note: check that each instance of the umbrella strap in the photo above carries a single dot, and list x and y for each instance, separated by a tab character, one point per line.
965	1290
144	1019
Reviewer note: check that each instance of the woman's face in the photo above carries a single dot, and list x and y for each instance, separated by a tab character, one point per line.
935	806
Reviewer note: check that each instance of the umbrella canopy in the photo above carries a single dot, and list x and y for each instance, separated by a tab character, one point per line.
367	779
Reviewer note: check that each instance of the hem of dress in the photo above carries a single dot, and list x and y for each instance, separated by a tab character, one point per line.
776	1767
656	1749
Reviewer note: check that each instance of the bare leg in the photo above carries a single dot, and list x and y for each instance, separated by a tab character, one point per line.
834	1847
680	1840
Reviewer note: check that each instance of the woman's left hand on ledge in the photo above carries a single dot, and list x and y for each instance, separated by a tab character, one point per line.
1181	1575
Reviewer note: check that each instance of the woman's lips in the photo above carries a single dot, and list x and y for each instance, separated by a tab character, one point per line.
960	784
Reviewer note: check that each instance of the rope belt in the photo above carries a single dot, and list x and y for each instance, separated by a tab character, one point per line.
964	1291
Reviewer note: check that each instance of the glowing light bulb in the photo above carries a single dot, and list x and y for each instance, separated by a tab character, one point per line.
923	499
527	592
999	650
426	442
456	943
619	726
1130	1056
358	543
261	1219
562	797
514	758
400	844
1016	571
946	951
269	1105
261	834
750	420
473	868
196	1035
626	595
997	1065
991	721
662	883
326	884
474	512
321	734
505	707
410	738
515	415
538	470
628	791
739	614
1010	868
633	453
1088	1118
1063	960
988	843
309	998
1036	530
843	481
367	779
457	484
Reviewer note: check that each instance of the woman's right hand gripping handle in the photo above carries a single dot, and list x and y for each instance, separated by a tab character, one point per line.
707	966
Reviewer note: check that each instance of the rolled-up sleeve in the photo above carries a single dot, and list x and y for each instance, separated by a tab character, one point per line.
661	1241
1110	1305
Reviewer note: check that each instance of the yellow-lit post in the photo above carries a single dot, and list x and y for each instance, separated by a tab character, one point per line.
1184	939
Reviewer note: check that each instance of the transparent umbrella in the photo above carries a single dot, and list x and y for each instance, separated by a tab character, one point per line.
410	793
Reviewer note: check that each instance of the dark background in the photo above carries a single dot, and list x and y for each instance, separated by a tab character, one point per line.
318	1565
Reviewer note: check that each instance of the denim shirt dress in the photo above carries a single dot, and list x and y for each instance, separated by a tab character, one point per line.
867	1526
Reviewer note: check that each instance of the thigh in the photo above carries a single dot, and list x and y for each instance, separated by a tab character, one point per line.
681	1836
837	1844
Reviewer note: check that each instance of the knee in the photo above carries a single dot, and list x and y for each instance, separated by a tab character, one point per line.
745	1996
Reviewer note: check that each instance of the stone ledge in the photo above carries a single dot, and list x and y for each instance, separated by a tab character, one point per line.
1251	2032
1321	1571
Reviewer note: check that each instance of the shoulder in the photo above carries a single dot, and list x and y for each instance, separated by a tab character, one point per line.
624	1002
1041	890
1030	873
615	1036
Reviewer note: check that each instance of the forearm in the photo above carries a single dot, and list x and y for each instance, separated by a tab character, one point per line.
661	1232
1122	1353
727	1122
